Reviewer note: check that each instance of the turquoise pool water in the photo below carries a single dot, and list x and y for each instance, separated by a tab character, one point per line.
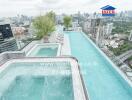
101	79
42	51
45	52
36	81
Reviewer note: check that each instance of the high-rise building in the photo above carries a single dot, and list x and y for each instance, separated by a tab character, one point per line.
7	42
5	30
59	19
130	36
91	26
99	36
1	37
108	29
87	26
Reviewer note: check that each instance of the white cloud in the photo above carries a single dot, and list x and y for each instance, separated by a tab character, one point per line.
33	7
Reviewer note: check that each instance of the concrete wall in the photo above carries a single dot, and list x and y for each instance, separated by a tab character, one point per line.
29	46
10	55
5	56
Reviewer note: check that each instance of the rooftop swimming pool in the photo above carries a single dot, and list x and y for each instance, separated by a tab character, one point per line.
102	78
41	79
59	78
44	50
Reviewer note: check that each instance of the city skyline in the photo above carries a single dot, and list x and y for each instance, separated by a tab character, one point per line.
9	8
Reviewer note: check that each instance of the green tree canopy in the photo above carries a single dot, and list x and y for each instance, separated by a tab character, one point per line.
51	15
67	21
44	25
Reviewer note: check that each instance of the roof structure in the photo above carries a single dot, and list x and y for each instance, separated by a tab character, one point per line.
108	7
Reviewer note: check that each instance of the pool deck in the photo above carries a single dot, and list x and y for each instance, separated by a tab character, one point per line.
66	49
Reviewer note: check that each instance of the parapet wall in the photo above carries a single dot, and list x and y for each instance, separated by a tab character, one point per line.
10	55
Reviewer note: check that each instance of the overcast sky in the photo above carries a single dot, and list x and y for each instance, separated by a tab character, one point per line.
35	7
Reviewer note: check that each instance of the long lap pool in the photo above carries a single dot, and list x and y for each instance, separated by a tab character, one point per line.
102	80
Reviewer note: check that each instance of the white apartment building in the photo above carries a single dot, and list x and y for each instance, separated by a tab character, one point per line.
130	36
108	29
100	36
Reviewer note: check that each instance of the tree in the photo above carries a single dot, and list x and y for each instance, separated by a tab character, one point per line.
44	25
51	15
67	21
